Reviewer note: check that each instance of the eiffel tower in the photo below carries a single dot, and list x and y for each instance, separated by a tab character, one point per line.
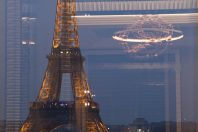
48	113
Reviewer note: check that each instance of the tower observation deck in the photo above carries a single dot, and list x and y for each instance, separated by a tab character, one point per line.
48	113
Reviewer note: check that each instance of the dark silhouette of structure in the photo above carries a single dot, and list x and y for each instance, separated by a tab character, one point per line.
48	113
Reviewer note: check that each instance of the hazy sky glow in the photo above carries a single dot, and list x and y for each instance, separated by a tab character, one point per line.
124	91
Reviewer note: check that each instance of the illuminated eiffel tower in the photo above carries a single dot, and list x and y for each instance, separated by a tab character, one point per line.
48	113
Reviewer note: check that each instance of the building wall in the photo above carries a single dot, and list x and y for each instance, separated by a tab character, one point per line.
2	58
15	61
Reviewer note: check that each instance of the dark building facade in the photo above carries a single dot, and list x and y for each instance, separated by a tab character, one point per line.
17	48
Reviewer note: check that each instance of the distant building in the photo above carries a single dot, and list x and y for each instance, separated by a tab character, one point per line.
17	46
138	125
141	125
2	59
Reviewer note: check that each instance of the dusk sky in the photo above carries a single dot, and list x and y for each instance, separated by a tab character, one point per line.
154	86
120	91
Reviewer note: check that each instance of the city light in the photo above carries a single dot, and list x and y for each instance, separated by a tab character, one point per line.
93	95
87	104
175	36
32	42
86	91
28	18
28	42
148	36
24	42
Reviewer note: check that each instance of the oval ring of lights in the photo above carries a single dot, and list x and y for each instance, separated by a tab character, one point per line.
148	36
176	35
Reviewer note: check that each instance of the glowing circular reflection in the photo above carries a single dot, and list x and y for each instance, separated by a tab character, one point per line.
149	36
120	36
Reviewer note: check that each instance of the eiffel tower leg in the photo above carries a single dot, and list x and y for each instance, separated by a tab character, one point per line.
48	113
80	113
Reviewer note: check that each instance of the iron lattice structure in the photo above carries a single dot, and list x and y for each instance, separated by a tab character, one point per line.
48	113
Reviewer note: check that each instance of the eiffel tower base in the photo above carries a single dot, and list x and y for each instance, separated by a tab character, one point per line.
60	116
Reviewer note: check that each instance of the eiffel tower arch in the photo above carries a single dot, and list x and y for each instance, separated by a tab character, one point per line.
48	113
